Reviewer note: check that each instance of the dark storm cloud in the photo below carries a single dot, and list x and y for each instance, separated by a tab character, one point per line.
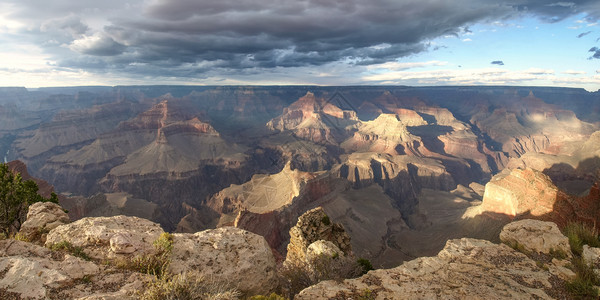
189	37
497	62
583	34
595	53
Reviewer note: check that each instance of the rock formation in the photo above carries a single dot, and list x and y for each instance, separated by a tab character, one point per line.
529	193
33	272
108	238
226	254
468	268
313	226
464	268
41	218
229	255
534	235
518	192
316	119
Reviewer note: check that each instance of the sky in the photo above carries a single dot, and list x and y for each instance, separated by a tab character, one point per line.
279	42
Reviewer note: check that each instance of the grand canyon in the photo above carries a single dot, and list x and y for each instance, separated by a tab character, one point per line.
403	169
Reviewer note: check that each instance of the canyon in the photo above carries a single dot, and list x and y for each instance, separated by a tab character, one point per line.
403	169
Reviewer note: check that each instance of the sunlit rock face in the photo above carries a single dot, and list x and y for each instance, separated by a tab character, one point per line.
520	191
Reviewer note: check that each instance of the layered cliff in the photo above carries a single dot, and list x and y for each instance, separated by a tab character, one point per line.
528	193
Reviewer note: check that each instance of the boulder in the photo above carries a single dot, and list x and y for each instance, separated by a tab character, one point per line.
591	255
561	268
228	254
33	272
465	268
320	248
312	226
109	238
41	218
536	236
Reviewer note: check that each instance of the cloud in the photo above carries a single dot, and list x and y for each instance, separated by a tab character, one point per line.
573	72
497	62
538	71
583	34
397	66
595	52
467	40
188	38
98	45
482	76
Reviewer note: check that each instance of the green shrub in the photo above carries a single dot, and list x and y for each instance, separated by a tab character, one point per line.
21	237
273	296
517	246
365	264
164	243
559	254
68	247
579	235
16	196
366	294
186	286
583	286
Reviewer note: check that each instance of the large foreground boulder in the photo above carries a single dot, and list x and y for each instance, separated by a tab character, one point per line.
536	236
108	238
231	255
464	269
41	218
28	271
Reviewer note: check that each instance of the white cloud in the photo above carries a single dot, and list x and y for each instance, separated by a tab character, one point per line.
8	25
97	44
397	66
539	71
467	40
574	72
484	76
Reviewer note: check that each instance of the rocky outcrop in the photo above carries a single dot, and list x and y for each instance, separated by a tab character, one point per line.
591	255
227	254
230	255
464	268
528	193
108	238
295	192
313	226
322	248
29	271
536	236
41	218
520	191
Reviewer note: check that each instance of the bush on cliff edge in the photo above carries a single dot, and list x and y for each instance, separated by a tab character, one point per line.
16	196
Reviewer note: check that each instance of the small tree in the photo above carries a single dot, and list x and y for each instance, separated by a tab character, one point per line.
15	197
